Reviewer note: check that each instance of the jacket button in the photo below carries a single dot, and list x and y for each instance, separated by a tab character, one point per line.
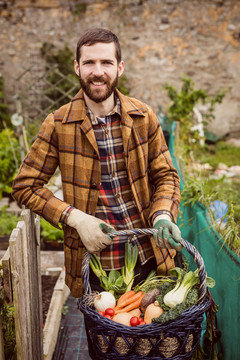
95	186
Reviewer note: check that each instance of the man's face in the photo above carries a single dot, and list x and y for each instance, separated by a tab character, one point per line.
98	70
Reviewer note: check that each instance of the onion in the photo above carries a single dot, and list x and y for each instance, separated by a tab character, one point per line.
104	300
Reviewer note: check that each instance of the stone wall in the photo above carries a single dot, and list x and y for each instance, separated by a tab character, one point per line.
161	41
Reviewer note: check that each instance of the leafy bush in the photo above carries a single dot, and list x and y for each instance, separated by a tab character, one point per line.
199	186
182	110
8	221
49	232
8	326
9	148
4	114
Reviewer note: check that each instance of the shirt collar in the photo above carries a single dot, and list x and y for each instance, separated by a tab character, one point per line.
95	120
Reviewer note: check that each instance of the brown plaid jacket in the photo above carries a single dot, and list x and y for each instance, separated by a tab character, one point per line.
66	139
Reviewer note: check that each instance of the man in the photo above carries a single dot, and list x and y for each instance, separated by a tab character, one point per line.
115	166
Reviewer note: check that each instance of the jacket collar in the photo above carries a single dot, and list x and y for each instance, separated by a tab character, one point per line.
76	110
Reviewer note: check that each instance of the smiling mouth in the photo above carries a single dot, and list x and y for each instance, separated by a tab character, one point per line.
95	83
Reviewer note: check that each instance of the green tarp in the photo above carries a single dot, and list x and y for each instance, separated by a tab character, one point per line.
221	264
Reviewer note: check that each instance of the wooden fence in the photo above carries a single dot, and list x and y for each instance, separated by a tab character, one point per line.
22	287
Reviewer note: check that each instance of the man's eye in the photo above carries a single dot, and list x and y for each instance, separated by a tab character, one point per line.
87	62
108	62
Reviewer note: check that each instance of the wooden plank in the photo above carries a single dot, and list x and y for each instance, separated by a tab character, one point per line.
53	320
7	278
35	293
20	293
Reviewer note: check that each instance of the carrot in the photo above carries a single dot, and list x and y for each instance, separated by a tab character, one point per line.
124	297
129	300
131	306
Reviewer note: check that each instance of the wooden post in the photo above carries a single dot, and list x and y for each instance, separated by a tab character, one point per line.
35	287
7	279
26	280
19	269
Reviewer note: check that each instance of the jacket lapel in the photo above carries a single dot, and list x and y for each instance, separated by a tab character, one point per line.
77	112
87	129
128	109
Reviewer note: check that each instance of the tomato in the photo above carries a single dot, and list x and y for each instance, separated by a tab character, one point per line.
134	321
101	313
108	316
141	322
110	311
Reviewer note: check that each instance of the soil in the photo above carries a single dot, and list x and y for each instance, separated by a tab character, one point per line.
48	283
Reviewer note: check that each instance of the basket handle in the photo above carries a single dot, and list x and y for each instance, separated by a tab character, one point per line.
189	247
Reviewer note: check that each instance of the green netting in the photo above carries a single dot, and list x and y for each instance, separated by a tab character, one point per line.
221	264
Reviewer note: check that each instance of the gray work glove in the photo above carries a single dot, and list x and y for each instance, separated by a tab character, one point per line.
168	235
90	231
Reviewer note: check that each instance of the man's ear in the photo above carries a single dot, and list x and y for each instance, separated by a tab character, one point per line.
76	67
120	68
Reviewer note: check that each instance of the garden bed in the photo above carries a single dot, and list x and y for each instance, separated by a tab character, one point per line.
48	283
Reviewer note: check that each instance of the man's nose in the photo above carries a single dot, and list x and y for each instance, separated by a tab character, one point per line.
98	70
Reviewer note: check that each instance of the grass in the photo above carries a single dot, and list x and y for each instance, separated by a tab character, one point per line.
221	152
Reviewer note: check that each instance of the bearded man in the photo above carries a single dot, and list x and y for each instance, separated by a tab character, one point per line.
115	166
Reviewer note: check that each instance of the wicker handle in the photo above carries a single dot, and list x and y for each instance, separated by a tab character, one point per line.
189	247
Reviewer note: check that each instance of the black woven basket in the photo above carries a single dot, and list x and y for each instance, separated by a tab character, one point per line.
173	340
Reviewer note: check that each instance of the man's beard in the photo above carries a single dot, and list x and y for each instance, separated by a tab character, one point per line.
97	95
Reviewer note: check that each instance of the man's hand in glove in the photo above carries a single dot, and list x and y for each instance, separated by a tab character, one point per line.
90	231
168	235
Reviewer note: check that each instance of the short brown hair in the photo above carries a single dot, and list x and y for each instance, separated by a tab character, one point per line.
97	35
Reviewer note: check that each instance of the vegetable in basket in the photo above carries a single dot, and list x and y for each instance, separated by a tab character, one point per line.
104	300
130	303
184	284
131	255
115	282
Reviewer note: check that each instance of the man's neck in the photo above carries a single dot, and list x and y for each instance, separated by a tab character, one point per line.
100	109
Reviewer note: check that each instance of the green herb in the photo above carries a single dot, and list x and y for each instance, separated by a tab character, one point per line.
151	282
113	282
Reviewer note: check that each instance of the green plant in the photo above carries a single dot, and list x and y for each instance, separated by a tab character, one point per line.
49	232
8	324
231	232
8	221
182	110
201	190
79	9
4	114
8	165
123	85
218	153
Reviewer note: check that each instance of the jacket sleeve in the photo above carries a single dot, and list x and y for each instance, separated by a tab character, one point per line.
35	172
162	174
